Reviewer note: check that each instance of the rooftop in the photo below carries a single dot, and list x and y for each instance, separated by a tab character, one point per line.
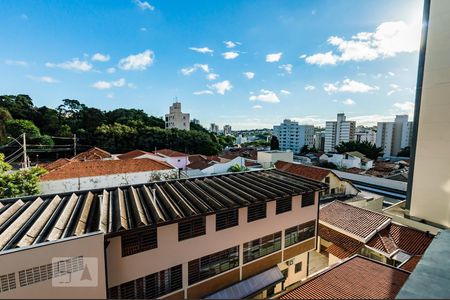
92	154
91	168
359	223
314	173
170	153
343	246
133	154
357	277
31	220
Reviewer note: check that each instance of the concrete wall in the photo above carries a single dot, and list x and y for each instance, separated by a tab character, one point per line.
223	167
171	252
430	196
86	183
88	246
268	158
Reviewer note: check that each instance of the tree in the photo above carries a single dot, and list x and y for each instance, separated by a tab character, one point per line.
304	150
15	128
4	117
20	106
368	149
19	183
274	143
404	152
237	168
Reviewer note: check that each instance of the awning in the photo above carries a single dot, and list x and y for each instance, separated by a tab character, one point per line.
250	286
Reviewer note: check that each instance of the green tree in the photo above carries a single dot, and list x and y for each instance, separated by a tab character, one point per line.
304	150
237	168
274	143
368	149
20	106
4	117
15	128
18	183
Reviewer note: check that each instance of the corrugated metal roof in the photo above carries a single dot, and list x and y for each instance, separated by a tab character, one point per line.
31	220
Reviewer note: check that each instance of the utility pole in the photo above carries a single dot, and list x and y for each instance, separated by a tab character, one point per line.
75	144
25	160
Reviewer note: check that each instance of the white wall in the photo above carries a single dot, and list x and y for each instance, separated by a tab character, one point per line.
268	158
95	182
223	167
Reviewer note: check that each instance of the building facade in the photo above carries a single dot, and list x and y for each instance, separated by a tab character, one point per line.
292	136
393	136
227	129
338	131
214	128
365	135
176	119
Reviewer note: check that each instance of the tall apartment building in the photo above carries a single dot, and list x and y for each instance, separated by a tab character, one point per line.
363	134
292	136
393	136
176	119
338	131
428	197
214	128
176	239
196	121
227	129
319	140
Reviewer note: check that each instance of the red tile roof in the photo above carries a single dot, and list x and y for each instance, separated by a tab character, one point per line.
343	245
133	154
92	154
75	169
355	278
56	164
314	173
170	153
407	239
357	221
411	263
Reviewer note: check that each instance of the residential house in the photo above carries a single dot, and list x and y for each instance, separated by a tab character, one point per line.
177	239
355	278
177	159
268	158
348	160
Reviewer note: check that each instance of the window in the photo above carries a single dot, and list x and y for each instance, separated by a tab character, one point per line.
256	212
139	241
327	180
191	228
298	267
308	199
262	246
213	264
227	219
149	287
299	233
284	205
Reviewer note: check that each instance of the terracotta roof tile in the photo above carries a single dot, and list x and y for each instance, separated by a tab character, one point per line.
170	153
133	154
92	154
314	173
75	169
354	220
407	239
56	164
343	245
355	278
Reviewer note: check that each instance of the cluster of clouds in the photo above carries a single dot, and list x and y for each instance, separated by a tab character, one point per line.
348	86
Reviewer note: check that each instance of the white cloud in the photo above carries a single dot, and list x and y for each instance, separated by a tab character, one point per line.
110	95
111	70
303	56
257	106
140	61
20	63
74	65
104	85
394	88
406	107
144	5
203	50
348	101
388	40
100	57
45	79
230	55
348	86
287	68
212	76
321	59
190	70
204	92
310	88
285	92
265	96
230	44
370	120
273	57
221	87
143	29
392	74
309	120
249	75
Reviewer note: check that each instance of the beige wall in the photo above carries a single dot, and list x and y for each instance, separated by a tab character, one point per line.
268	158
170	252
430	198
42	254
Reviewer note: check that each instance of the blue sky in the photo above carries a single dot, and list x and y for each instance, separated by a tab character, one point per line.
248	63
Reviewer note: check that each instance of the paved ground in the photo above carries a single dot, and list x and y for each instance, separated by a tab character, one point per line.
317	262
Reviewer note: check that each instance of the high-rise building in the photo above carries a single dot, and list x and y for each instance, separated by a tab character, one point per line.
227	129
365	135
176	119
196	121
393	136
292	136
319	140
338	131
214	128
